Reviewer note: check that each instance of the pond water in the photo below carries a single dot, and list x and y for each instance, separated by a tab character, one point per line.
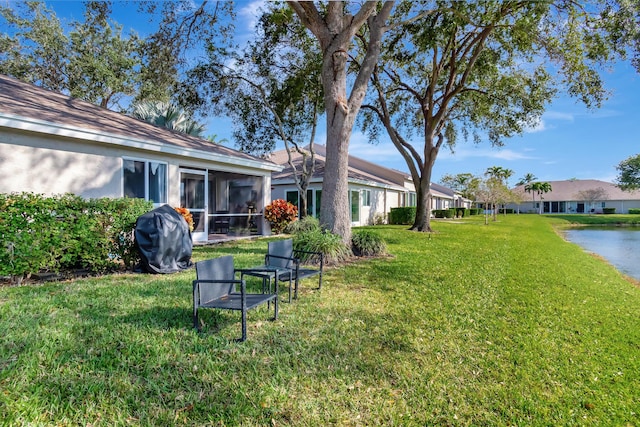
618	245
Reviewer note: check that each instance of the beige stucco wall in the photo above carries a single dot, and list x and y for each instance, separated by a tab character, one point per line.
46	164
34	164
381	200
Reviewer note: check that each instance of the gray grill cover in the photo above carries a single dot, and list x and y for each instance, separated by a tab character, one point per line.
163	239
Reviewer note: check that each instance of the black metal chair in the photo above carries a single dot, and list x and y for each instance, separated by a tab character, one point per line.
280	253
215	287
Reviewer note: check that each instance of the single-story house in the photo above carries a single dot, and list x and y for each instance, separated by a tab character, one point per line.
578	196
53	144
373	189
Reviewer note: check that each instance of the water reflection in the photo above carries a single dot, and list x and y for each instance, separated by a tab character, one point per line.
620	246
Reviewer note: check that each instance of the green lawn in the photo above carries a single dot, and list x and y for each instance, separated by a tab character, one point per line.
505	324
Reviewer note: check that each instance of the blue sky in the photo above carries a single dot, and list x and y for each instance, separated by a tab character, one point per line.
569	142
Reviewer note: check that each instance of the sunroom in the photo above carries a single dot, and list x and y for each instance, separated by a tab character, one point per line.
53	144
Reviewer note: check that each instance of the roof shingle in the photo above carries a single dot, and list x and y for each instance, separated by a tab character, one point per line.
25	100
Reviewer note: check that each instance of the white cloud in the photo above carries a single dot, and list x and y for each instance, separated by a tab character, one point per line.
539	126
502	154
250	13
559	115
382	151
510	155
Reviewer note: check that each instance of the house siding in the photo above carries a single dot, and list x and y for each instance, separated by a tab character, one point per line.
55	166
566	197
382	200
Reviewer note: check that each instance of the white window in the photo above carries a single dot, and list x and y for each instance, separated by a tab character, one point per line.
145	180
355	206
412	199
366	197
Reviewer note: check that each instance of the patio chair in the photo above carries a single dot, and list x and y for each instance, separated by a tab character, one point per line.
281	253
215	287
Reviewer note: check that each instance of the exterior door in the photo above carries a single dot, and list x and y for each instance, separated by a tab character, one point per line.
193	196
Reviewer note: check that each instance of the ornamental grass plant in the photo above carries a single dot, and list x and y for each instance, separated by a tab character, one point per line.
493	325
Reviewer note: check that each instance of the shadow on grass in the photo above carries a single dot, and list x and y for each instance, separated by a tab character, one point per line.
212	322
161	318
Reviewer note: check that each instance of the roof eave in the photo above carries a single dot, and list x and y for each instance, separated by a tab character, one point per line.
49	128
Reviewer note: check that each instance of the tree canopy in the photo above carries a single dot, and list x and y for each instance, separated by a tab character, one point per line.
629	173
95	61
271	89
485	70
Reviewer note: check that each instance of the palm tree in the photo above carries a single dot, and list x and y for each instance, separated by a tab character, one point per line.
527	179
539	188
167	115
501	175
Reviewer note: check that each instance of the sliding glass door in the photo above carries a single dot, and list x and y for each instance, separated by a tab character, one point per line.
193	196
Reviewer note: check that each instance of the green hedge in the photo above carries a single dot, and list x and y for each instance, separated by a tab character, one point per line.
444	213
402	216
634	211
462	212
40	233
608	211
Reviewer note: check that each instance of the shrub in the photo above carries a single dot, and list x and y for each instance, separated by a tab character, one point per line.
41	233
29	234
402	216
367	243
608	211
462	212
308	223
444	213
475	211
329	244
120	226
379	219
634	211
279	214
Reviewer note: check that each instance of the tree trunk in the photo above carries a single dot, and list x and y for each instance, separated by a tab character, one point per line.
302	209
335	209
335	31
422	221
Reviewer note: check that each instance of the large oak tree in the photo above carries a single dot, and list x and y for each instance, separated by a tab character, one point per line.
483	68
335	27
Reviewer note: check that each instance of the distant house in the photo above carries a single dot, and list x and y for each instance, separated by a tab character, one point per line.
373	189
578	196
53	144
